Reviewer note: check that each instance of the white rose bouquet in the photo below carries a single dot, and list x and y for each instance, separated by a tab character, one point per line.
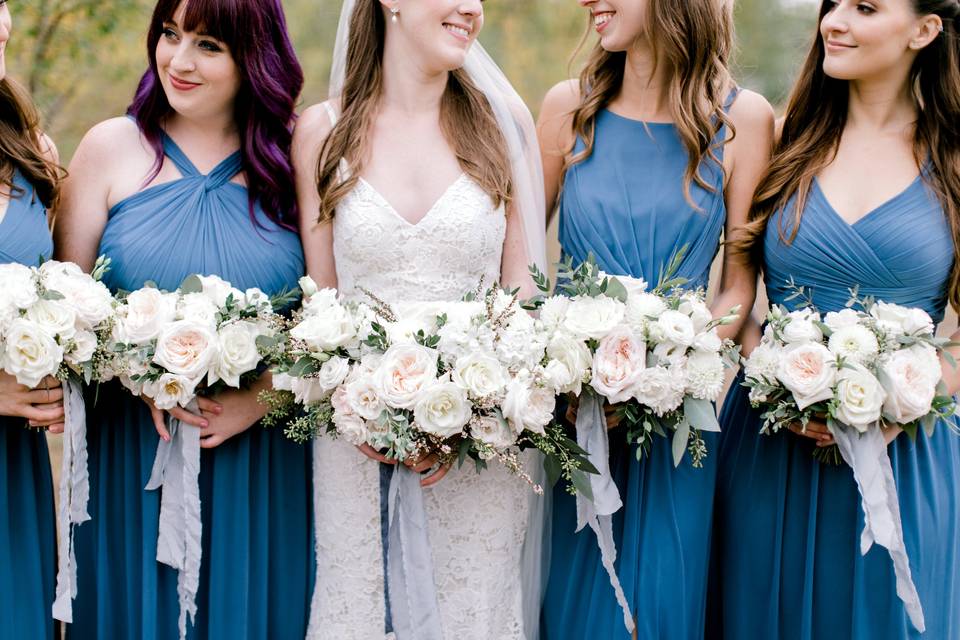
172	346
866	366
468	380
54	321
654	353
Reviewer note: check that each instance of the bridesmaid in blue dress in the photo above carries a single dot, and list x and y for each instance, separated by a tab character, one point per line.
196	180
645	173
863	189
29	178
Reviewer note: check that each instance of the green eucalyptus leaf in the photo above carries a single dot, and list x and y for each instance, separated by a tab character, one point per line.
191	284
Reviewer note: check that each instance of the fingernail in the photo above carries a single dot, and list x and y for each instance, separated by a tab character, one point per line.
204	423
218	409
166	438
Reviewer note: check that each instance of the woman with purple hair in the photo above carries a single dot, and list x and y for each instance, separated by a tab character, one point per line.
197	179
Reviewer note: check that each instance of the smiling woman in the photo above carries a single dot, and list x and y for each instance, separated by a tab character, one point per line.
197	179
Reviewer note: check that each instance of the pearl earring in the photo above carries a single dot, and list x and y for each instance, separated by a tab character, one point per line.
394	11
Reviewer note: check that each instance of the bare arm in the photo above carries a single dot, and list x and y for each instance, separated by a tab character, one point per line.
555	130
745	159
312	129
515	263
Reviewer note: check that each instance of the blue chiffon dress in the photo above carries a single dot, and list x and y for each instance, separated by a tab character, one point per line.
258	566
626	205
787	532
28	529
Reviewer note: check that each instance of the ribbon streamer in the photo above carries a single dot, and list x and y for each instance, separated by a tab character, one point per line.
413	592
74	495
176	469
592	436
866	454
314	626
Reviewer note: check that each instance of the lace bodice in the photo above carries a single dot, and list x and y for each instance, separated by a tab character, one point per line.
458	243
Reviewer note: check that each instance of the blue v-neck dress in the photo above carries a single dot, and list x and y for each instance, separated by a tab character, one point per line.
787	556
257	571
28	530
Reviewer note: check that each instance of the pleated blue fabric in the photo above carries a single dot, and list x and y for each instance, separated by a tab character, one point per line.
787	562
258	565
28	529
625	204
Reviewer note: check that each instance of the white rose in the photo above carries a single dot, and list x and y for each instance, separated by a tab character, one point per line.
809	372
307	286
54	317
911	385
83	346
676	327
480	375
443	410
186	348
619	359
709	341
413	318
196	307
593	318
554	311
839	319
405	371
643	309
898	320
360	392
30	353
326	327
705	375
236	353
350	427
254	297
307	391
528	407
575	359
697	310
802	327
855	343
170	390
91	300
332	373
860	397
764	362
494	431
282	382
660	388
19	288
634	286
143	314
216	289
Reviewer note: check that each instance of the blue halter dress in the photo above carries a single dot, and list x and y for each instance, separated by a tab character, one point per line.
257	571
28	530
787	531
626	205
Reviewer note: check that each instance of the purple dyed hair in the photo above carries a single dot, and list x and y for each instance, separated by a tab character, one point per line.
271	81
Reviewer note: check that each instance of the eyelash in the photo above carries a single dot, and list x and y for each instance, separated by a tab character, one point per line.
207	45
862	8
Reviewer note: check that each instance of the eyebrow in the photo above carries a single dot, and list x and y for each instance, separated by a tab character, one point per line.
199	33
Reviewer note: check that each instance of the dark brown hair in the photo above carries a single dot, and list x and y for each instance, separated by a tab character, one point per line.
21	148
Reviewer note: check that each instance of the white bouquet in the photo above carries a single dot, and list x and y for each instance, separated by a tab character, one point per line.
858	370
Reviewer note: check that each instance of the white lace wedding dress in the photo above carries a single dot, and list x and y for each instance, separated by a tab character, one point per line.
477	522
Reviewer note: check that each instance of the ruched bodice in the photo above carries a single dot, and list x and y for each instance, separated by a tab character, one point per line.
198	224
626	204
901	252
24	233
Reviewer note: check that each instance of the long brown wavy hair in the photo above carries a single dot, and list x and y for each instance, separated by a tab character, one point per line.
466	119
817	114
693	39
20	147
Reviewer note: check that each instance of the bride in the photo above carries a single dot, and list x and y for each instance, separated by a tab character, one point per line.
418	180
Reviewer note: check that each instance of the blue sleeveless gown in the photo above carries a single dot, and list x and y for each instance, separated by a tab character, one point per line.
626	205
28	529
257	571
787	531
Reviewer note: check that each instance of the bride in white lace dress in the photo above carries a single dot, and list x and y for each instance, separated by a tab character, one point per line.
416	201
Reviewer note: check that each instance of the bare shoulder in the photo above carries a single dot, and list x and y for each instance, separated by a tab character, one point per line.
314	125
751	112
114	138
48	148
563	98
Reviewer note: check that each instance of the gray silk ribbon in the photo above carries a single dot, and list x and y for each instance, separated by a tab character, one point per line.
413	592
592	436
315	626
867	455
74	495
177	470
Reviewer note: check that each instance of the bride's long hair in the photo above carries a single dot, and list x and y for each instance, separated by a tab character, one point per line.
467	121
693	39
817	114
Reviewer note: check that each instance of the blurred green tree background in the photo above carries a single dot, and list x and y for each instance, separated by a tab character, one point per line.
81	59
